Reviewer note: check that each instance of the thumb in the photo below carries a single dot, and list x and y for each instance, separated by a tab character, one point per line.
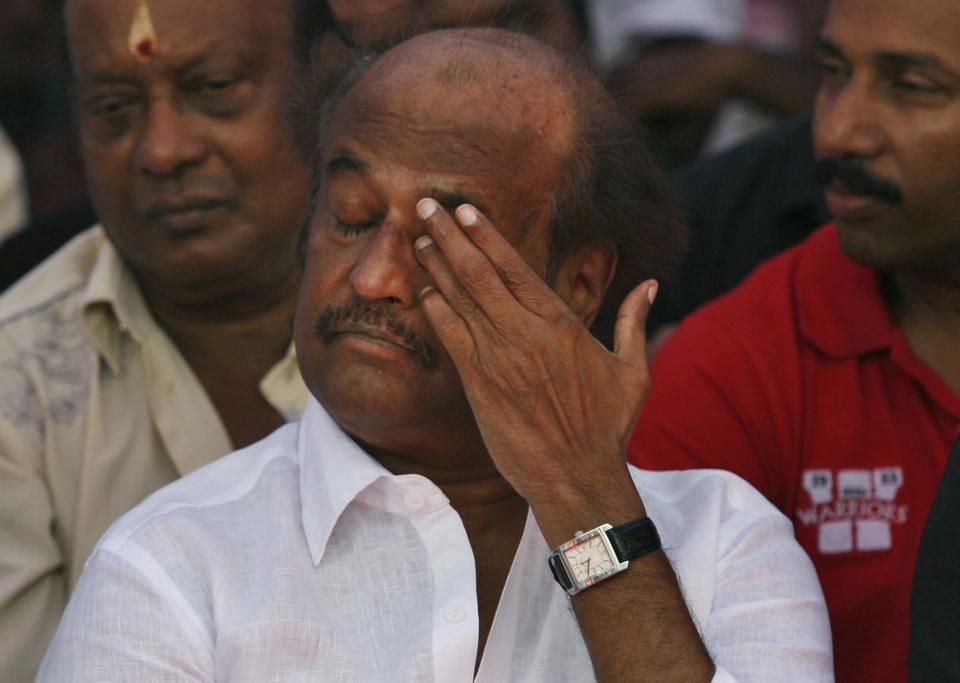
629	334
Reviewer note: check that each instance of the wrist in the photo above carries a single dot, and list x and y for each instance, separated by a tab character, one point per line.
580	505
599	553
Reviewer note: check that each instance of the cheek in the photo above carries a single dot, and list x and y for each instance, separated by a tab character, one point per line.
107	167
928	147
326	276
942	164
108	180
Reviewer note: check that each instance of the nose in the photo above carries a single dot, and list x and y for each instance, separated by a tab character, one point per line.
847	122
387	269
169	143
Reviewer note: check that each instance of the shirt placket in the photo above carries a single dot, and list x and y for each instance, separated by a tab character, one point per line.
456	625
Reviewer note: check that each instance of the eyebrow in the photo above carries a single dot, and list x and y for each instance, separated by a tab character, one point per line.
345	163
451	200
827	46
922	60
128	73
902	60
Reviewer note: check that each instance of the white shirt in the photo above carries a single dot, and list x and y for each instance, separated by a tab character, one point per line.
301	558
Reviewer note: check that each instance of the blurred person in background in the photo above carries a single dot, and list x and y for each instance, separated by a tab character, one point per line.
14	210
702	75
35	110
830	379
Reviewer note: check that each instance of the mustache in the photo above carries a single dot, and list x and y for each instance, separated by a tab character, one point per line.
855	176
333	319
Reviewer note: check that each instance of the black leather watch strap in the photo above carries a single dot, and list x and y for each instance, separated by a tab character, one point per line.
633	539
559	573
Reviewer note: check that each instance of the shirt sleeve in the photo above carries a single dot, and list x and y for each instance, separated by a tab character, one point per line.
32	583
768	620
127	621
751	589
717	401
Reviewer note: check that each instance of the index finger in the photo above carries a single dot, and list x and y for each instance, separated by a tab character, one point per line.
526	285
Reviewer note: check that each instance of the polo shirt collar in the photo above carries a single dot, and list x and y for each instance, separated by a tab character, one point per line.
841	307
113	306
333	472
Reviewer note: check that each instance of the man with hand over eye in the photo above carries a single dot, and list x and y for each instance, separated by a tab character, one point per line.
458	481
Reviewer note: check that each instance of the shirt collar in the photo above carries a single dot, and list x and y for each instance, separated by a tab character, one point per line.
840	304
113	306
333	472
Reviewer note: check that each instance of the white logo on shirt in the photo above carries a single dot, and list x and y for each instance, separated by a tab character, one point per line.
853	509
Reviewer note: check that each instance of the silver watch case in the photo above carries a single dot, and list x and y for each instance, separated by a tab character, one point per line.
581	537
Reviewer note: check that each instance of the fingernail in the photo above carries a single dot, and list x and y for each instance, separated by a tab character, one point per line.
467	215
426	290
652	292
422	242
426	207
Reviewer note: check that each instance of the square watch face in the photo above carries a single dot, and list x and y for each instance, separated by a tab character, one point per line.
589	559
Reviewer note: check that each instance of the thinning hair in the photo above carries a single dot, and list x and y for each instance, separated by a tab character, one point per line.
611	192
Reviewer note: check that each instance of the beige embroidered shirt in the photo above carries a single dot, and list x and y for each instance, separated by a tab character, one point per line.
97	410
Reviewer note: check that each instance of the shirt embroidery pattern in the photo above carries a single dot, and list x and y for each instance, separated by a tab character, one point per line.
61	355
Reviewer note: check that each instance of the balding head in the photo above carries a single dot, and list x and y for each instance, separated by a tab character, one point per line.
477	100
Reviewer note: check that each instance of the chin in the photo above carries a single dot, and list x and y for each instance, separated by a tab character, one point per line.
870	245
369	403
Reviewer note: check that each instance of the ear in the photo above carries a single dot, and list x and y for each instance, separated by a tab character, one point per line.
583	277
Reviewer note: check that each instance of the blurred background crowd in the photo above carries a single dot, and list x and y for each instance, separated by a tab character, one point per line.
700	75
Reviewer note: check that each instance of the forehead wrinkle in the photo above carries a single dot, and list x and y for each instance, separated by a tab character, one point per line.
142	31
102	28
444	146
111	65
893	27
428	113
444	175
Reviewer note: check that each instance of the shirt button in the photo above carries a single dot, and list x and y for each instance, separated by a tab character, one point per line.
455	614
413	501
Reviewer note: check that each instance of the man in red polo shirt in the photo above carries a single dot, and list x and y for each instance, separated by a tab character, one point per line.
831	378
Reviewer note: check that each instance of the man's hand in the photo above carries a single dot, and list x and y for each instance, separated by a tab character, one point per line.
555	410
554	407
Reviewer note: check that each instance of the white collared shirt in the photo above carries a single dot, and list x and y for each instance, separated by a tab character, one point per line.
300	558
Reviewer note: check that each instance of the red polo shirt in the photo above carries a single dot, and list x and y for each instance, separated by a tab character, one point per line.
800	382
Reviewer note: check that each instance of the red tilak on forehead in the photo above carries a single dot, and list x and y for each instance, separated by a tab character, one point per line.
145	48
142	40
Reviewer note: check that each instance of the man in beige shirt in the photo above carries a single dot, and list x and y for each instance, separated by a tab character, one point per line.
160	341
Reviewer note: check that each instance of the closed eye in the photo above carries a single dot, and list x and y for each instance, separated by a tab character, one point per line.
916	85
353	228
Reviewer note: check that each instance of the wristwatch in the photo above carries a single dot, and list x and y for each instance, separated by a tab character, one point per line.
600	553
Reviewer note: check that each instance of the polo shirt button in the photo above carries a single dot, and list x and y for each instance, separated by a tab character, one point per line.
455	614
413	501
